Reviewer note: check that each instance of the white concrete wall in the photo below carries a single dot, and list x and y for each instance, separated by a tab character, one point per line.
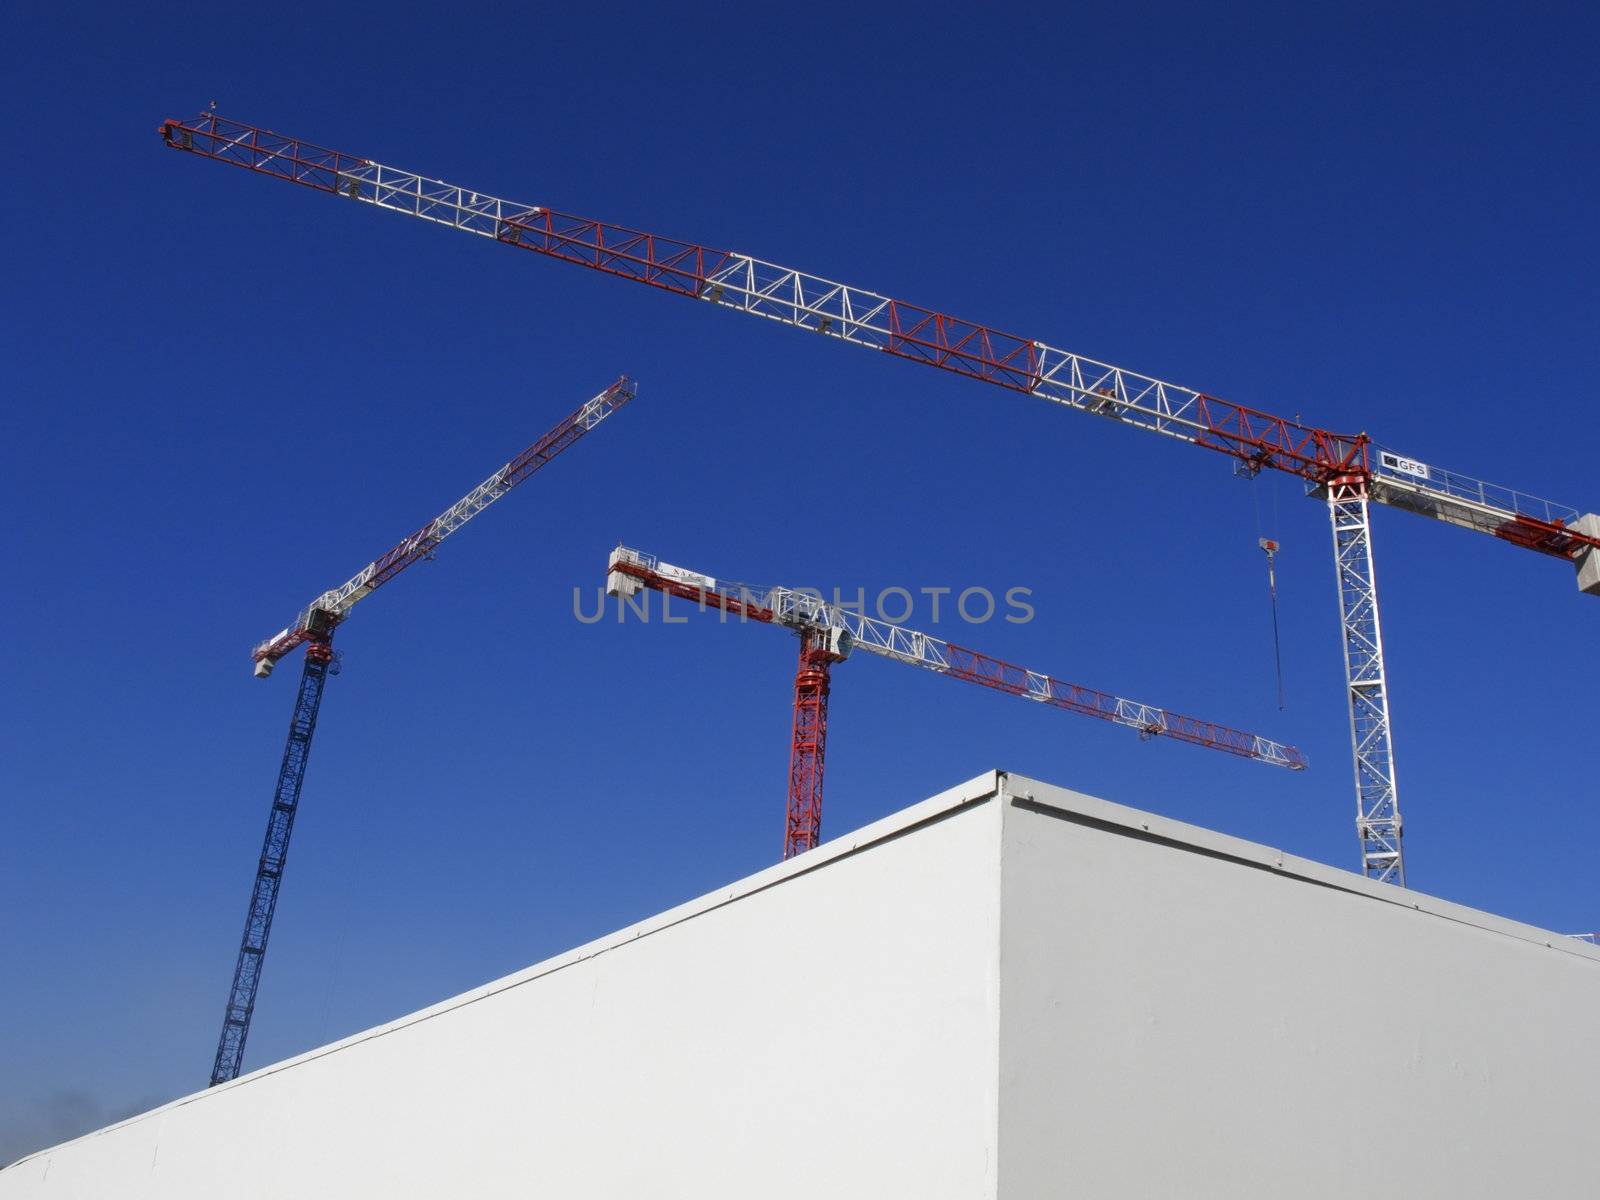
1009	990
833	1035
1206	1018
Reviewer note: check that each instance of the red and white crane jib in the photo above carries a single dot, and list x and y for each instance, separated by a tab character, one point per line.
330	608
909	331
846	630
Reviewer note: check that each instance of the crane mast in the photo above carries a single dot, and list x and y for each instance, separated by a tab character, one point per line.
1335	466
314	670
313	628
1377	798
802	825
829	633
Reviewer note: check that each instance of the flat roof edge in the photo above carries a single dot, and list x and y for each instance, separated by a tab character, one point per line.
980	788
1197	838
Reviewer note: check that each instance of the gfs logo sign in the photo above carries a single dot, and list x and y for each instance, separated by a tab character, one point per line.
1405	466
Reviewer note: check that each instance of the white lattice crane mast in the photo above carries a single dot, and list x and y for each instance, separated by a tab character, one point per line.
314	628
829	633
1347	470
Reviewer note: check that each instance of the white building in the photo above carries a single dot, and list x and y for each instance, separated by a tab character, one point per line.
1007	990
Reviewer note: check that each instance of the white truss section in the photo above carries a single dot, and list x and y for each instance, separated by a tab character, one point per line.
337	602
431	199
856	315
1377	796
802	609
793	297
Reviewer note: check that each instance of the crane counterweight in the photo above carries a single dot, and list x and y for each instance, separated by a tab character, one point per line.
1588	559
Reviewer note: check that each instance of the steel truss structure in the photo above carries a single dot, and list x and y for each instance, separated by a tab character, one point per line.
808	747
875	321
1377	794
335	603
313	628
806	611
274	855
829	633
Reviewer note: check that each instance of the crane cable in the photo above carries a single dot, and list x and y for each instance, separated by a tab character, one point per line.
1270	547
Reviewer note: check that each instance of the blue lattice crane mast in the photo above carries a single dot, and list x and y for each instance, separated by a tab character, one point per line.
274	853
313	628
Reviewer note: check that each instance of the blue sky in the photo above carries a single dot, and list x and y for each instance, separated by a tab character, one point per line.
227	395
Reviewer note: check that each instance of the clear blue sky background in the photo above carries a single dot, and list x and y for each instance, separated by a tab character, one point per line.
225	394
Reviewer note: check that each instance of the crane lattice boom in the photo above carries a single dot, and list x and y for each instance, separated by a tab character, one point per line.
879	322
337	602
849	630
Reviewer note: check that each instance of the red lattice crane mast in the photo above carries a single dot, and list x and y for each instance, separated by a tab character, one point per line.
1346	470
830	632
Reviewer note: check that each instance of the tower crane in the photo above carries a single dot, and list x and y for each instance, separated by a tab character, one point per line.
1347	471
830	632
313	628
